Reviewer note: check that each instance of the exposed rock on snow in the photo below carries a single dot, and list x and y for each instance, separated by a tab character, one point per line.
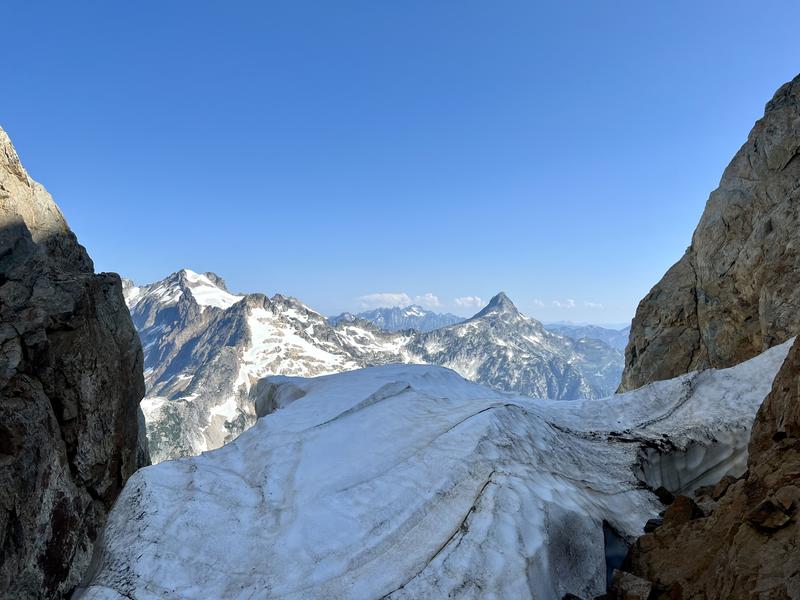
70	385
407	481
736	291
206	348
749	546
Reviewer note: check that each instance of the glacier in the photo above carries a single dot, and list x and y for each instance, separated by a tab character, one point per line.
407	481
206	350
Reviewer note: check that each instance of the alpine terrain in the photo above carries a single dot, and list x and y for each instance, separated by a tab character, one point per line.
394	318
396	456
616	338
206	350
70	385
408	481
734	293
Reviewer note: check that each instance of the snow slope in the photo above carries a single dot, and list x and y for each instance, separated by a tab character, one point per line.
205	350
408	481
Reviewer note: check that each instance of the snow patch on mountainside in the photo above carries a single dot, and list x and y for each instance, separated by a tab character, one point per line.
407	481
206	348
278	347
208	293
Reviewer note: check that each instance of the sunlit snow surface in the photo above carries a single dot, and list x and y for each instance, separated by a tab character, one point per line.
407	481
205	292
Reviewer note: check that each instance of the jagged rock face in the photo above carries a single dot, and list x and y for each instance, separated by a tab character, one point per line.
736	291
749	545
206	349
70	385
506	350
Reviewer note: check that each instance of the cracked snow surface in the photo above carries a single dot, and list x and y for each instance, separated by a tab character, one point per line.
407	481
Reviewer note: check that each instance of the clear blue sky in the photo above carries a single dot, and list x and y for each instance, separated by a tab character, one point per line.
560	151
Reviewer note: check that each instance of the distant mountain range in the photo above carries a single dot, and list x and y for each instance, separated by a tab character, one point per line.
398	319
207	350
415	317
616	338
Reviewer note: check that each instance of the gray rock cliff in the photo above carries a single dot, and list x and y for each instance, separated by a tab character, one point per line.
70	385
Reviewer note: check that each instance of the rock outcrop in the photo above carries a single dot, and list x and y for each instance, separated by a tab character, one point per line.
749	545
70	385
205	350
736	290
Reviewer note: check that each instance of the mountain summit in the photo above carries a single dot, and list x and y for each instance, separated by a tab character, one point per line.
206	350
500	304
506	350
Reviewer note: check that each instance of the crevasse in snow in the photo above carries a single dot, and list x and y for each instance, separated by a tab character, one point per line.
407	481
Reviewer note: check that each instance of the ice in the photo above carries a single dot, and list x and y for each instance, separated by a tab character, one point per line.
407	481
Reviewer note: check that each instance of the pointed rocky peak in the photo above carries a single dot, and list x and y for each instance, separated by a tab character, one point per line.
256	301
206	290
499	305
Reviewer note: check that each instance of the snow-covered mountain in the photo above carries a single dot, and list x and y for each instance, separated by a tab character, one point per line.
502	348
616	338
398	319
206	350
404	482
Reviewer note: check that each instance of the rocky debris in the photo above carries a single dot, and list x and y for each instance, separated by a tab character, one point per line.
70	385
664	495
626	586
682	510
722	487
749	545
652	524
776	511
736	290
